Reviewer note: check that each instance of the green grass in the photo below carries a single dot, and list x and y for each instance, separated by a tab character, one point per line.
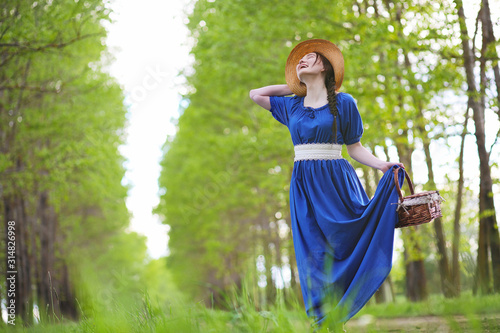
477	314
437	314
436	305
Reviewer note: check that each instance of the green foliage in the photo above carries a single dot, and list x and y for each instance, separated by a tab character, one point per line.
62	119
160	286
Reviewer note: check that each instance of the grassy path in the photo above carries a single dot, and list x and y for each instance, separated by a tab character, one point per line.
438	324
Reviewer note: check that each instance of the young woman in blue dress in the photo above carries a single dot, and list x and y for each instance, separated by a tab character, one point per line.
343	240
316	72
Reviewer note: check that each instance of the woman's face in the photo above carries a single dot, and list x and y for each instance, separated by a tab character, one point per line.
309	64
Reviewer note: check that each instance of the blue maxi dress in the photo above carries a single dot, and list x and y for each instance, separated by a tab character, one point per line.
343	240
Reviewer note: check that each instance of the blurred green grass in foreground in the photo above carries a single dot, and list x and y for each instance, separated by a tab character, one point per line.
464	314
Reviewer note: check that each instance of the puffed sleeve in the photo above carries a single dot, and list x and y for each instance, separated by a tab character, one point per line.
280	108
351	124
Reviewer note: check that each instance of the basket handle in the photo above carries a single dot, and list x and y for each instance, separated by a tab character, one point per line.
398	188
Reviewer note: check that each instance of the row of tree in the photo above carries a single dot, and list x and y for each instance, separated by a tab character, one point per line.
417	73
62	202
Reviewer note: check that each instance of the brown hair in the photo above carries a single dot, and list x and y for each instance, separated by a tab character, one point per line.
330	88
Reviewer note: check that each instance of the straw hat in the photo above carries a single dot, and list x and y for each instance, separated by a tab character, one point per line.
326	48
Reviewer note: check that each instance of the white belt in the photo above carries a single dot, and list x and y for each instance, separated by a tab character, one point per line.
318	151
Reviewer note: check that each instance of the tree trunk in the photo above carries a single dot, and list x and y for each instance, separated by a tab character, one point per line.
366	178
489	242
385	293
416	281
49	297
458	209
18	276
23	267
444	269
489	37
483	274
487	185
67	302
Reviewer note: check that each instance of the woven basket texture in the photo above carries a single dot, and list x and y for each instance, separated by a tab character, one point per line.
417	208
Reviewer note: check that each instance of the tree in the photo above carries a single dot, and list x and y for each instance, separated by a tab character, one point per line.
489	241
61	122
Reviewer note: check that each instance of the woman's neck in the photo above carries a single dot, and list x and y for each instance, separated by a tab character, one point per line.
317	94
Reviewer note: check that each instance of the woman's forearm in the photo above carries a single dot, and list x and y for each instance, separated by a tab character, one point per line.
261	95
274	90
363	156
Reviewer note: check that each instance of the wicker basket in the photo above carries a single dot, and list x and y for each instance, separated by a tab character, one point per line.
417	208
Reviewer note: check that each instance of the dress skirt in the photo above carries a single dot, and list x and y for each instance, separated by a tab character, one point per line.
343	241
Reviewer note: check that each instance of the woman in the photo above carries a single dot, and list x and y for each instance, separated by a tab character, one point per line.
343	240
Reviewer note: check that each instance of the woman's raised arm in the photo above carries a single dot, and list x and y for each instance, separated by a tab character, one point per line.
261	95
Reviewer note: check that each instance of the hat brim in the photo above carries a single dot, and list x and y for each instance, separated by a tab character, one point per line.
327	49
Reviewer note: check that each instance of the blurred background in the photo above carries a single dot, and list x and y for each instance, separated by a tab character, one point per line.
137	176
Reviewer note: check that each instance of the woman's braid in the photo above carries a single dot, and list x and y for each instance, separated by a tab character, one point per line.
331	95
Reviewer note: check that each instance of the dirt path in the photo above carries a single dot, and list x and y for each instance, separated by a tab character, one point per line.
451	324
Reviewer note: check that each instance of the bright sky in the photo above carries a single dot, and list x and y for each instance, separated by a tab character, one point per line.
148	41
